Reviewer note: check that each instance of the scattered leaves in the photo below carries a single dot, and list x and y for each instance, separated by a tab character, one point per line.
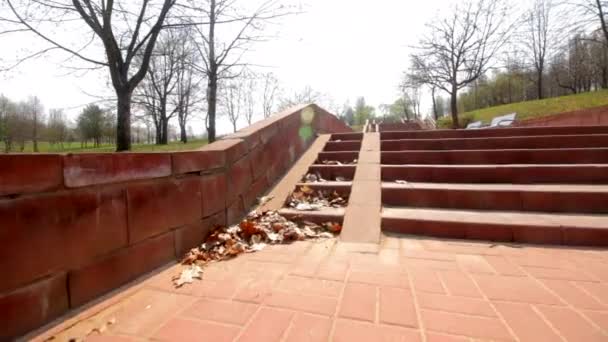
253	234
307	199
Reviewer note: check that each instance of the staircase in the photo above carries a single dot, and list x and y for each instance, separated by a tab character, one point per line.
530	185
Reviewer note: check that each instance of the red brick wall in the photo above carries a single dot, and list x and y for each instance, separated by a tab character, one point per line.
73	227
585	117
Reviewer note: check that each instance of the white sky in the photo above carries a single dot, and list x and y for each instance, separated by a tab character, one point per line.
345	48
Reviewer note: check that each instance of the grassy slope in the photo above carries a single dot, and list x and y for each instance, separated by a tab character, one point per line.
539	108
76	148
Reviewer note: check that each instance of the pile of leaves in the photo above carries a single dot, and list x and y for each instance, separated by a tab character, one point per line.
315	177
253	234
307	199
336	162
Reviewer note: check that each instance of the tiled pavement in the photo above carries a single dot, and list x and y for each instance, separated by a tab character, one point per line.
405	289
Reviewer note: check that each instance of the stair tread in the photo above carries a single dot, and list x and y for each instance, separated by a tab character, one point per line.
499	187
498	217
516	137
490	165
498	150
322	212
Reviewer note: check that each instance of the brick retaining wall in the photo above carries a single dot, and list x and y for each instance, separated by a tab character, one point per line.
584	117
75	226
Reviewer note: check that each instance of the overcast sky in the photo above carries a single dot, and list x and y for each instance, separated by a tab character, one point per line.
344	48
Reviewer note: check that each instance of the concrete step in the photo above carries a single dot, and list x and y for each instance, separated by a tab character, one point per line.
521	142
317	216
352	145
515	156
346	157
330	172
494	132
504	226
518	174
346	136
516	197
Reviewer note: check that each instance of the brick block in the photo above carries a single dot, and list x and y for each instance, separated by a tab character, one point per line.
156	207
239	179
102	168
256	190
195	161
259	161
213	189
190	236
68	228
235	211
231	149
21	173
29	307
117	269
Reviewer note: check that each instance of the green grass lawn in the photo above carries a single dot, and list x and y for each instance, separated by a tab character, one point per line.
76	147
536	108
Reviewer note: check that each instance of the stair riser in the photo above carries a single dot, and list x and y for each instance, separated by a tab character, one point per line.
563	156
498	232
342	146
496	132
347	136
342	190
330	172
548	142
343	157
539	201
314	217
516	175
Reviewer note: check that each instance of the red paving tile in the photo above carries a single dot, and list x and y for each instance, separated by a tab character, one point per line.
309	328
473	326
268	325
359	302
397	307
346	331
460	305
179	329
571	325
451	291
527	324
229	312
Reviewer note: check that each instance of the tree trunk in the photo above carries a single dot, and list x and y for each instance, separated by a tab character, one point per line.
182	133
539	83
454	107
123	126
165	134
435	114
211	103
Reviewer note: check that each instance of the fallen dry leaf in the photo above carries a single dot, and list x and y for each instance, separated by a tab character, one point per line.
188	275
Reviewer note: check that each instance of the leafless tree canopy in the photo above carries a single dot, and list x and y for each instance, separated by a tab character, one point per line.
221	51
115	34
460	47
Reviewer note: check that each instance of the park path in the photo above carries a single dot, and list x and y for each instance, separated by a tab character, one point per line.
403	289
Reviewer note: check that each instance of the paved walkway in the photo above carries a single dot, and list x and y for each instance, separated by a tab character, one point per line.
405	289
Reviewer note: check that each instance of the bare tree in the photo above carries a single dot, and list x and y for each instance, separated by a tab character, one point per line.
125	30
592	14
304	96
187	95
232	102
161	81
222	53
538	39
249	95
460	47
35	111
271	89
